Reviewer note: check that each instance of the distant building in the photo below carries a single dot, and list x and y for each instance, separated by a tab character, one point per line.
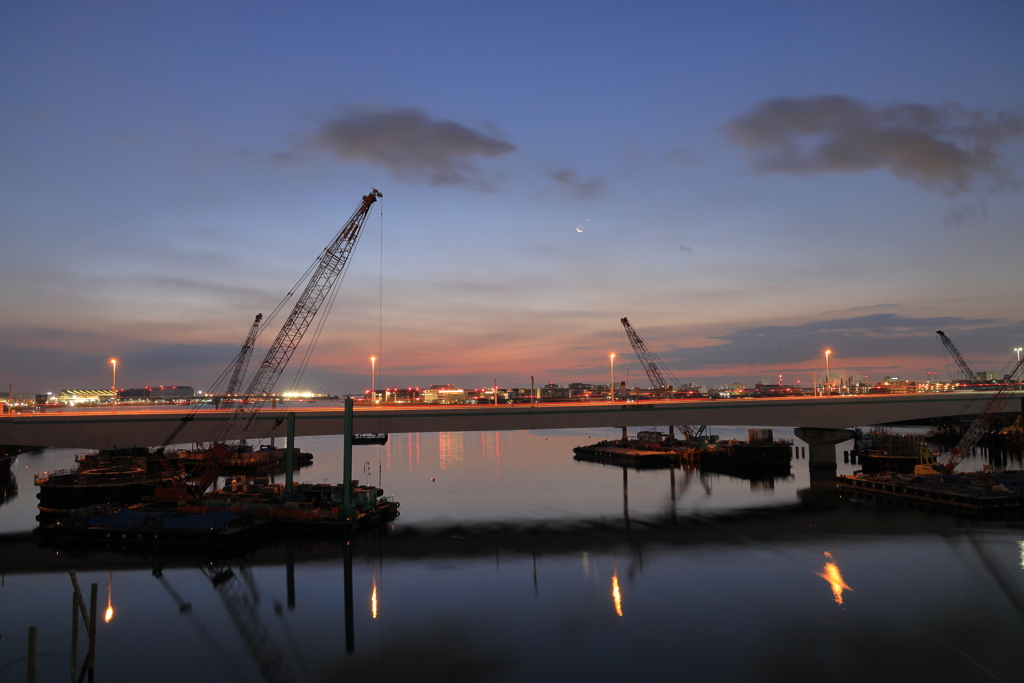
171	393
75	396
444	393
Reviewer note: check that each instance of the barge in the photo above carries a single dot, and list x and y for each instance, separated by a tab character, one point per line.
266	460
126	476
237	514
986	492
761	456
882	451
129	476
136	527
309	507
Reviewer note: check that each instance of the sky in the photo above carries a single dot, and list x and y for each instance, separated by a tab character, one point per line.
749	183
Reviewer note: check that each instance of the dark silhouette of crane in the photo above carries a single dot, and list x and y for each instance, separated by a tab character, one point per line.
653	366
965	369
241	362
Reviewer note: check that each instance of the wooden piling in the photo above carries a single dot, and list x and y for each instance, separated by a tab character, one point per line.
33	633
75	597
92	630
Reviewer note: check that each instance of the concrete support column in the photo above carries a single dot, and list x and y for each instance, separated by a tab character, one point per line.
822	445
821	463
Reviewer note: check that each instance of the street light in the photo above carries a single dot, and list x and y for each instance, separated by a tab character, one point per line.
611	386
113	383
828	380
1018	350
373	380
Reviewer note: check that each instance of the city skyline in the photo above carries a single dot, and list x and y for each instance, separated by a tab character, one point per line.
749	185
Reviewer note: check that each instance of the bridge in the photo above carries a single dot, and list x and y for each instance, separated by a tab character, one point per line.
125	427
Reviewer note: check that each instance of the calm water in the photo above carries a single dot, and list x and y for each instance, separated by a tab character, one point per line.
512	562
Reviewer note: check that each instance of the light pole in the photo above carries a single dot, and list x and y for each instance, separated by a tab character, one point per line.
1018	350
611	386
828	380
113	384
373	380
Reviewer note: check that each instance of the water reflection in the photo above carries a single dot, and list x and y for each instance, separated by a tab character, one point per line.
109	614
8	487
830	572
616	595
465	565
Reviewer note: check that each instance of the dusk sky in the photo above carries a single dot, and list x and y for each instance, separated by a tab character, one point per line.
748	182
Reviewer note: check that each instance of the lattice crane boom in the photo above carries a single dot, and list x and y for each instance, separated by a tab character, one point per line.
244	612
241	364
981	424
333	261
648	360
955	353
651	364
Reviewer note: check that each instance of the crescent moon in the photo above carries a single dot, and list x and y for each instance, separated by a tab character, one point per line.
579	228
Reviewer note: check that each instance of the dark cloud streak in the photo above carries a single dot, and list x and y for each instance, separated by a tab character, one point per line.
947	147
576	186
879	335
411	145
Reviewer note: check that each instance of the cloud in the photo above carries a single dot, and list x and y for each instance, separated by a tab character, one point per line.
577	187
411	145
946	147
877	335
681	156
685	249
964	215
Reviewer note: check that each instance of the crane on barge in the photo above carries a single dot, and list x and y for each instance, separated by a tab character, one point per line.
653	367
965	369
241	362
978	428
330	267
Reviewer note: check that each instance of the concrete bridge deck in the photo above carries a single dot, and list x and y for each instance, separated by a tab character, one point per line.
101	428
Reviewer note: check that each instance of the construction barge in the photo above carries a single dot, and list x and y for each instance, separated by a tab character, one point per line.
653	449
129	476
237	514
989	492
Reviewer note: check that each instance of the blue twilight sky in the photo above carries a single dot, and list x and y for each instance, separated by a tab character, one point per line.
754	182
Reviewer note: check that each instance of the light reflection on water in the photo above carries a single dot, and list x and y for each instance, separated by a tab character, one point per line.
515	564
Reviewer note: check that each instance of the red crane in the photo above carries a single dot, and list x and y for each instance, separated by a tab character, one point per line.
653	367
980	426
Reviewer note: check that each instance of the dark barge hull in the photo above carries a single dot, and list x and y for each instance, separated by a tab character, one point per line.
625	457
57	498
932	496
249	532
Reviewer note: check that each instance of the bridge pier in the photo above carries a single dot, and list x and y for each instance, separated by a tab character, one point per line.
821	461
